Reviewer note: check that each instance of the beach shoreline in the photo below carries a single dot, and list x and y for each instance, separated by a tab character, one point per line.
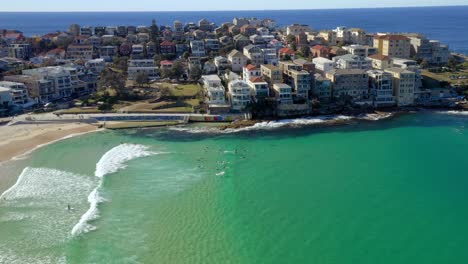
21	139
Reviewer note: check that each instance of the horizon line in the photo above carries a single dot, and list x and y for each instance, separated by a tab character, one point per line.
232	10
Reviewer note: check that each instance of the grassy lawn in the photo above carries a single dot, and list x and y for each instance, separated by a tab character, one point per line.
147	107
77	110
186	90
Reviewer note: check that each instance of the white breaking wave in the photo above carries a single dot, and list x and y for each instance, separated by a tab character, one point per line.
269	125
454	112
111	162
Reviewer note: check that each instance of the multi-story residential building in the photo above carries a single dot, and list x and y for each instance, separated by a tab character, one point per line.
239	94
357	36
263	31
269	23
410	65
198	48
350	82
8	64
306	65
178	33
350	61
74	30
240	41
167	48
254	54
18	92
283	93
329	36
301	83
56	54
222	64
204	25
381	88
322	88
88	31
237	60
361	50
337	51
343	35
80	52
5	100
323	65
240	21
40	89
148	67
250	71
398	46
59	76
259	88
270	56
403	85
96	66
258	40
108	52
286	54
138	52
296	29
380	62
248	30
19	51
430	50
214	90
320	51
272	74
212	46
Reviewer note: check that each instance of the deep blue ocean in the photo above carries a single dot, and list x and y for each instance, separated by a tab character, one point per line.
447	24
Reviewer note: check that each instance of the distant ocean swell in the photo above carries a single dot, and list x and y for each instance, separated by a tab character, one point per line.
111	162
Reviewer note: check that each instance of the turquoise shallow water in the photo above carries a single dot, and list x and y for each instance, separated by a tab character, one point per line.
392	191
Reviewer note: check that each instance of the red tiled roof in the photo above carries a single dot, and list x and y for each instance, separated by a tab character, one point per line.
256	79
320	47
251	67
166	62
56	51
287	51
167	43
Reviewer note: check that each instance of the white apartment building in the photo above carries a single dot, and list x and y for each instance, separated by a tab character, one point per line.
147	67
214	90
381	88
198	48
323	65
239	94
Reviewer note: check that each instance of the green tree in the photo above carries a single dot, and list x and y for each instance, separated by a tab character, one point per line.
142	79
121	63
452	63
177	69
166	73
111	79
186	55
305	50
195	73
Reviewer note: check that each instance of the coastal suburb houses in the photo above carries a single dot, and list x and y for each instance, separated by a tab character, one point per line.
241	64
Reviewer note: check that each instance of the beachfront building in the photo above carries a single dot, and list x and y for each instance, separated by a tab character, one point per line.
40	89
403	85
272	74
18	92
322	88
350	82
410	65
5	98
323	65
381	88
297	78
239	94
398	46
60	78
283	93
350	61
259	88
237	60
214	90
147	67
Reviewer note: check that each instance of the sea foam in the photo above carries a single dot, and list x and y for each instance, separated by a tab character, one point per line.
295	122
111	162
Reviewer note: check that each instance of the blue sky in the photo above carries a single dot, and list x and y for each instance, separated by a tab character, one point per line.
195	5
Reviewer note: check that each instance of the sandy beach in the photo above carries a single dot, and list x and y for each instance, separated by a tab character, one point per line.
18	139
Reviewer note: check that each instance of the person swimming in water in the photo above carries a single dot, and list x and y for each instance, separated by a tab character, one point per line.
69	207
